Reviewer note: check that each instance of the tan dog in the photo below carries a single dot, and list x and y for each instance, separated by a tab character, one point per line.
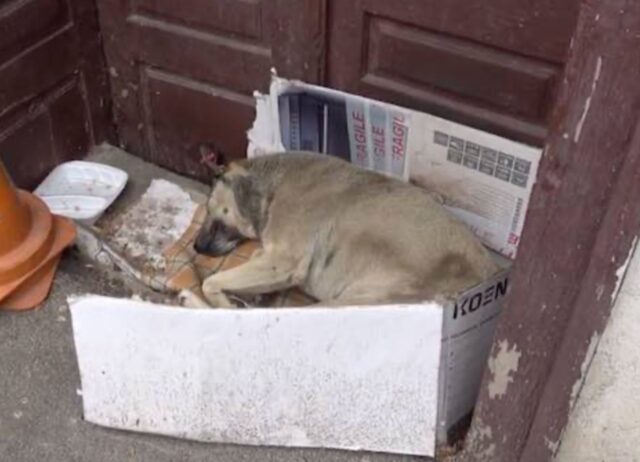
344	235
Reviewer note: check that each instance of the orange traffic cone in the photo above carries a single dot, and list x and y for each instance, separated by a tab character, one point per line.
31	241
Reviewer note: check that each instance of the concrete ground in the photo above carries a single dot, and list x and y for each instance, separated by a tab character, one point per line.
40	405
604	425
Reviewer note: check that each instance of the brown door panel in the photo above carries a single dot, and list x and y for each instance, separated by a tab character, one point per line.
240	18
53	88
464	68
38	71
176	107
24	25
197	54
490	64
540	29
184	74
46	132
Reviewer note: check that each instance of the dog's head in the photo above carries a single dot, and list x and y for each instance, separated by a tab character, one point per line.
234	212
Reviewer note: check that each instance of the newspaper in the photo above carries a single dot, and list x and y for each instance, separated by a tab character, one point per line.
484	179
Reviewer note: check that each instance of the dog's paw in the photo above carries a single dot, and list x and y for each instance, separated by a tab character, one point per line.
187	299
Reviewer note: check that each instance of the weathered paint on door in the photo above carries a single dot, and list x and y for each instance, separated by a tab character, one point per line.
54	98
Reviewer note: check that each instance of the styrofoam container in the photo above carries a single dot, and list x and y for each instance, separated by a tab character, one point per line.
82	190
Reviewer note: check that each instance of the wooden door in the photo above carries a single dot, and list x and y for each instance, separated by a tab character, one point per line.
54	101
183	72
493	64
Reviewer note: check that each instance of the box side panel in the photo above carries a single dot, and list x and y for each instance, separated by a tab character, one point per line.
443	388
355	378
468	327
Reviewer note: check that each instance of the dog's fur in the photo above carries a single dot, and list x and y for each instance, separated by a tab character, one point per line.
344	235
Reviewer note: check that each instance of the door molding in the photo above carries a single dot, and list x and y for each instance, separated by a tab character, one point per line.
581	228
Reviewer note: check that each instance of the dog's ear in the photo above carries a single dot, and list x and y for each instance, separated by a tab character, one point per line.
213	159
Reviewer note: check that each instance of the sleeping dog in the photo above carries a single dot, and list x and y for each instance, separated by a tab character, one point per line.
344	235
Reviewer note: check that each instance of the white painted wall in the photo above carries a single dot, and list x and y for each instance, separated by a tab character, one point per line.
605	423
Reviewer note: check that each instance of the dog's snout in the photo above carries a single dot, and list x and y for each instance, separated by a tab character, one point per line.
202	242
205	237
198	247
216	239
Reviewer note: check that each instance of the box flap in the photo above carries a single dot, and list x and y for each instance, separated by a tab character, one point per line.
353	378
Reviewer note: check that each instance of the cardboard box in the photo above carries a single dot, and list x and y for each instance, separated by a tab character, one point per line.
395	378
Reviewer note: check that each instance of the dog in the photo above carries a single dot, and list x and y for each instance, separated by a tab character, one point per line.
344	235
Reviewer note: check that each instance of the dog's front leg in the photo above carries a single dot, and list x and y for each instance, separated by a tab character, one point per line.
189	299
262	274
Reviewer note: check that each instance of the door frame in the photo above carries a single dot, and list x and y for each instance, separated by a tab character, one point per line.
581	230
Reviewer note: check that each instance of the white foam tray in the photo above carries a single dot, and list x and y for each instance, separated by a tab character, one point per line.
82	190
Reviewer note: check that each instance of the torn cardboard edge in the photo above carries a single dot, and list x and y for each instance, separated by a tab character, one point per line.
324	378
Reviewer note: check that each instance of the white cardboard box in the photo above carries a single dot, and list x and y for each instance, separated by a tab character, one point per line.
397	379
385	378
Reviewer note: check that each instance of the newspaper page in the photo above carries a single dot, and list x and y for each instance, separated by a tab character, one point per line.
483	179
363	132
